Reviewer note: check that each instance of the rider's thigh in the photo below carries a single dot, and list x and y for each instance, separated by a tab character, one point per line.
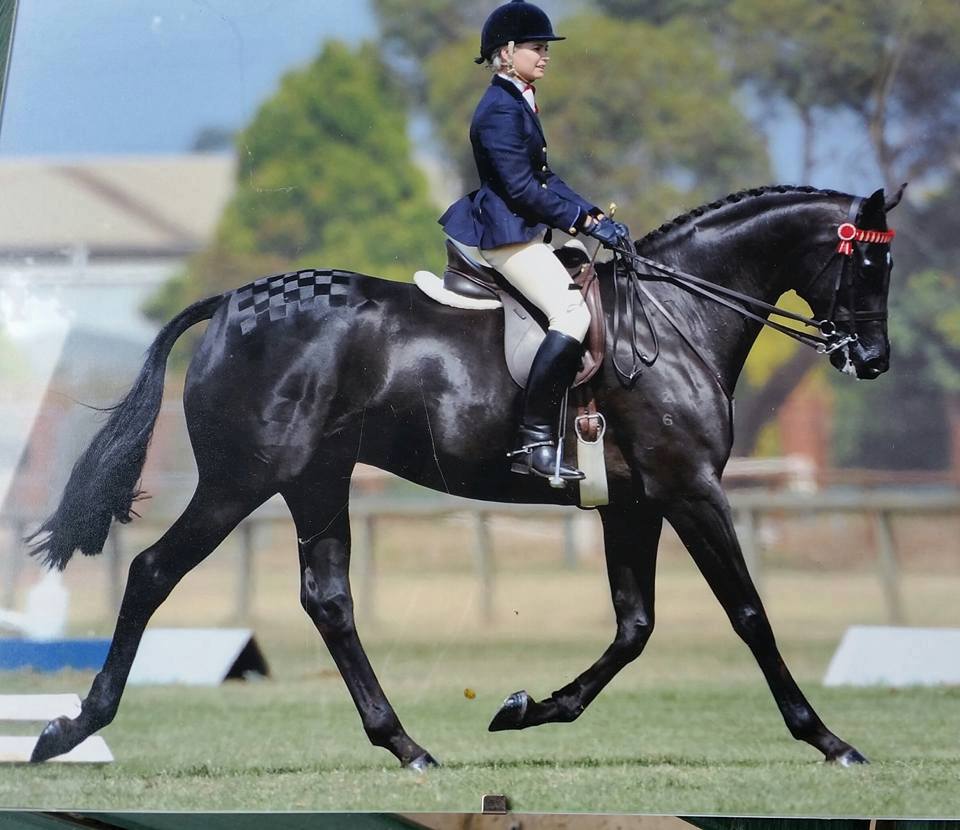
534	270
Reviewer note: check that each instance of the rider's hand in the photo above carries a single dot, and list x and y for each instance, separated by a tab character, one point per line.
607	231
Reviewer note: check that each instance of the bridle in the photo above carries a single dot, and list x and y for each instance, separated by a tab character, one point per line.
849	232
827	338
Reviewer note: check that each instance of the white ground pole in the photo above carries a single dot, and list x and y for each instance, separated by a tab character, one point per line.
40	709
896	656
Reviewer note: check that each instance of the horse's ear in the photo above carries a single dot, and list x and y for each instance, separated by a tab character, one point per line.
874	202
895	199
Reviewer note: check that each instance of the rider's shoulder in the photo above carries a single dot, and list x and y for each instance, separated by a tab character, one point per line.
497	100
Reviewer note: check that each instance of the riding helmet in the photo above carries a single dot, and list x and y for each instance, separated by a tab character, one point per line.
518	21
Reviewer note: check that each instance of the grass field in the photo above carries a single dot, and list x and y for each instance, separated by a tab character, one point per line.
689	728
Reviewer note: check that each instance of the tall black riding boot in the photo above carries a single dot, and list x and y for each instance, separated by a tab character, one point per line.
554	368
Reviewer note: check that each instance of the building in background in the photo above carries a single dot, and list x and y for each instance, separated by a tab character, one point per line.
83	245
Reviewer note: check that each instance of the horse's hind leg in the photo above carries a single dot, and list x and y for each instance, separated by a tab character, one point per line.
211	515
630	538
323	531
706	528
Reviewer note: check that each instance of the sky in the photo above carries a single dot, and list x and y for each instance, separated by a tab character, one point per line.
146	76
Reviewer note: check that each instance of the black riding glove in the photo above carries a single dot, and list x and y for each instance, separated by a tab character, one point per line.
611	234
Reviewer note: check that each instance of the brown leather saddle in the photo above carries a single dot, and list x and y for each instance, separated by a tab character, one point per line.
525	324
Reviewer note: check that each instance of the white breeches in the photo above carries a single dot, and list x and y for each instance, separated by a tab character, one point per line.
534	270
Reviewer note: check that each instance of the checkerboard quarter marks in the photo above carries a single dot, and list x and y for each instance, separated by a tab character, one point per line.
419	389
274	297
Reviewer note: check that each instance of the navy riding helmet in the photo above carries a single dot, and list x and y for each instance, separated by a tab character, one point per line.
518	21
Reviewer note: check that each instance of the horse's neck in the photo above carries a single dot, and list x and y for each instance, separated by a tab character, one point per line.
758	256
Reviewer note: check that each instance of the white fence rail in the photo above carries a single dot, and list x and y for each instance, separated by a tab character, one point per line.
750	508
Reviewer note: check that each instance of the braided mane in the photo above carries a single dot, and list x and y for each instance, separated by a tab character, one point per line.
733	198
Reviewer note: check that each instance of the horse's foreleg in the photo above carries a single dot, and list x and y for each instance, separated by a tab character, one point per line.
209	517
706	527
630	538
323	531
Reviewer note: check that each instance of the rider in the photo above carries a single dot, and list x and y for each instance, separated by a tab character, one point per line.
509	218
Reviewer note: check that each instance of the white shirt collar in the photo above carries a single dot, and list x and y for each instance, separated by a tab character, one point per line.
525	89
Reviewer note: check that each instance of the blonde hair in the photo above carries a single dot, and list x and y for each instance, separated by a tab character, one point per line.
495	63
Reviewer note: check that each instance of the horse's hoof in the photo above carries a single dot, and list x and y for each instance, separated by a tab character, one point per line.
849	758
53	741
511	713
423	762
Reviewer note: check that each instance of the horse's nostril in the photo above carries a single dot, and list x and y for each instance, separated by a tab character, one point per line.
872	368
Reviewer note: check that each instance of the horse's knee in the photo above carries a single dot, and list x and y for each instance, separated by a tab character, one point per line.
750	622
632	636
329	605
151	569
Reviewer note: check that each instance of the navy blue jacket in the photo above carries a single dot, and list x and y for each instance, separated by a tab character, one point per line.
519	195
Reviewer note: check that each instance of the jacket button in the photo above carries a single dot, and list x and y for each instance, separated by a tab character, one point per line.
544	168
544	185
544	150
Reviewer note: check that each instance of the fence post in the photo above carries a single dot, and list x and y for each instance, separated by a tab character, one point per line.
483	557
115	568
747	534
245	573
363	537
889	572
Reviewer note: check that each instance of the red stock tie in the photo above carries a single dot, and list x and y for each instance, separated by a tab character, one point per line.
533	89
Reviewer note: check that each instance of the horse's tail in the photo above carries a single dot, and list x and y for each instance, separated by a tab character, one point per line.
103	483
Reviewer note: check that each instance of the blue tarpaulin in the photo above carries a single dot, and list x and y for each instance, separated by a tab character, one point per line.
52	655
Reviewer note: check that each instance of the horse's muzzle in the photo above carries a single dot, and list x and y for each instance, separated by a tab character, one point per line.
872	368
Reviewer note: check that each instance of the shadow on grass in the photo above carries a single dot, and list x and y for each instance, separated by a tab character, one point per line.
210	771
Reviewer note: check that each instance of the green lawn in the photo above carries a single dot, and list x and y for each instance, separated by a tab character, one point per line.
690	728
707	748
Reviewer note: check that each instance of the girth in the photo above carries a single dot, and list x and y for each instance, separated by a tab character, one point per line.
471	279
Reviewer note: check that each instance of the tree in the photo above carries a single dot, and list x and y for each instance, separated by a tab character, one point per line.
416	30
659	12
324	178
213	140
896	67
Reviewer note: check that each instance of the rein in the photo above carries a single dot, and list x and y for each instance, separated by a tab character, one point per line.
827	339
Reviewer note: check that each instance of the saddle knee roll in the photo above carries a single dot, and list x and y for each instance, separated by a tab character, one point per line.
574	320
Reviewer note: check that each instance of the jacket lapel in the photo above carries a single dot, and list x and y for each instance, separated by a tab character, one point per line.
511	87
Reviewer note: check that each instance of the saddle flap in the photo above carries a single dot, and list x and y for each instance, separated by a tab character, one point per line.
524	324
524	332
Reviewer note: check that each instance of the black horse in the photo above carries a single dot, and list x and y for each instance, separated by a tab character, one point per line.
300	376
